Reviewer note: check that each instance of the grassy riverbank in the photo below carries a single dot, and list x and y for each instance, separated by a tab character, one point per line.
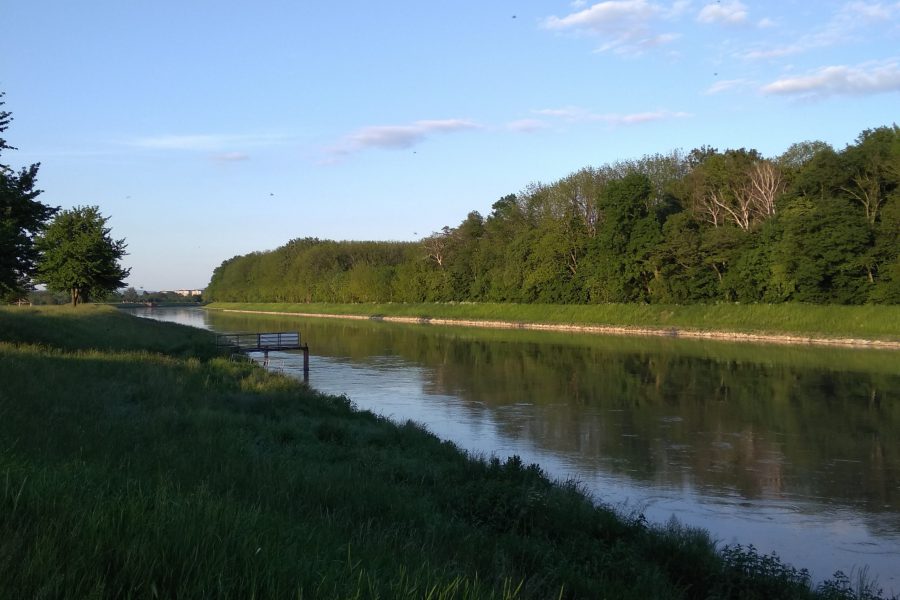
136	462
860	322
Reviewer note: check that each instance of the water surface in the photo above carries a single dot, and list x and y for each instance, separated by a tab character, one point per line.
795	450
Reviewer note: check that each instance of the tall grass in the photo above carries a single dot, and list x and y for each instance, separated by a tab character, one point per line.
869	322
134	462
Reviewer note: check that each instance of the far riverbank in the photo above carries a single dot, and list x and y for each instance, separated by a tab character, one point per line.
847	326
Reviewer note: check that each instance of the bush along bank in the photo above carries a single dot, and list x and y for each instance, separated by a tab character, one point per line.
136	462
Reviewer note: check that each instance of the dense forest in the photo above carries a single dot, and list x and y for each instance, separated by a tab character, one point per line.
812	225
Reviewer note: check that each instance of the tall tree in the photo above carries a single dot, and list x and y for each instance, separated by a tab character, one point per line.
621	252
22	217
820	253
874	167
686	275
79	256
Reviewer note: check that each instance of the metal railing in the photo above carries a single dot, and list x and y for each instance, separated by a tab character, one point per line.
249	342
264	342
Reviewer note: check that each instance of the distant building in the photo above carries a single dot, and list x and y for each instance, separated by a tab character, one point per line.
188	293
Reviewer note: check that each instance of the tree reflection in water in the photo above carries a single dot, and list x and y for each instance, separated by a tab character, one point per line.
792	442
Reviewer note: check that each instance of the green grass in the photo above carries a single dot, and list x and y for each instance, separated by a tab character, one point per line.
134	462
865	322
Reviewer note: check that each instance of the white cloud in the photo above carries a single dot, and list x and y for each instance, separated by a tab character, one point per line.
398	137
840	80
731	12
605	16
625	25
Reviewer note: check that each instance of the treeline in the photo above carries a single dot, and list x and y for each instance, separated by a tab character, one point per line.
811	225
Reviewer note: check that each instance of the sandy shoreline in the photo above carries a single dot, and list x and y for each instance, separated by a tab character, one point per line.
733	336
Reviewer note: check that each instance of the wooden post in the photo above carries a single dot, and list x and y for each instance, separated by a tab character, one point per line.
305	349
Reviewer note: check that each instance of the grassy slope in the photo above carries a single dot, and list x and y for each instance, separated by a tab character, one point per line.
133	462
868	322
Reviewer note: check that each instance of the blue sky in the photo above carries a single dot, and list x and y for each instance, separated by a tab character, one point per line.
209	129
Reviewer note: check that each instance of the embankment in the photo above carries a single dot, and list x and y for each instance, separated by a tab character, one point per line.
853	326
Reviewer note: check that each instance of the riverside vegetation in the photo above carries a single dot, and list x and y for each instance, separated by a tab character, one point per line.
825	321
813	225
136	462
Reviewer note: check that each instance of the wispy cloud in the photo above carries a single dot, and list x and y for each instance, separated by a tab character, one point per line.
397	137
204	142
643	117
635	46
876	11
526	125
728	85
843	25
605	16
731	12
678	8
569	113
229	157
626	26
578	114
840	80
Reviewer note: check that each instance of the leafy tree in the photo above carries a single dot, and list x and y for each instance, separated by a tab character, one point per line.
820	177
685	276
131	295
749	277
721	247
466	272
371	283
502	252
22	217
874	168
621	252
79	256
663	170
820	252
799	154
886	253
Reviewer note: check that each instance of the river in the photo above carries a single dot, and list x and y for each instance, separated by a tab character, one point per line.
795	450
